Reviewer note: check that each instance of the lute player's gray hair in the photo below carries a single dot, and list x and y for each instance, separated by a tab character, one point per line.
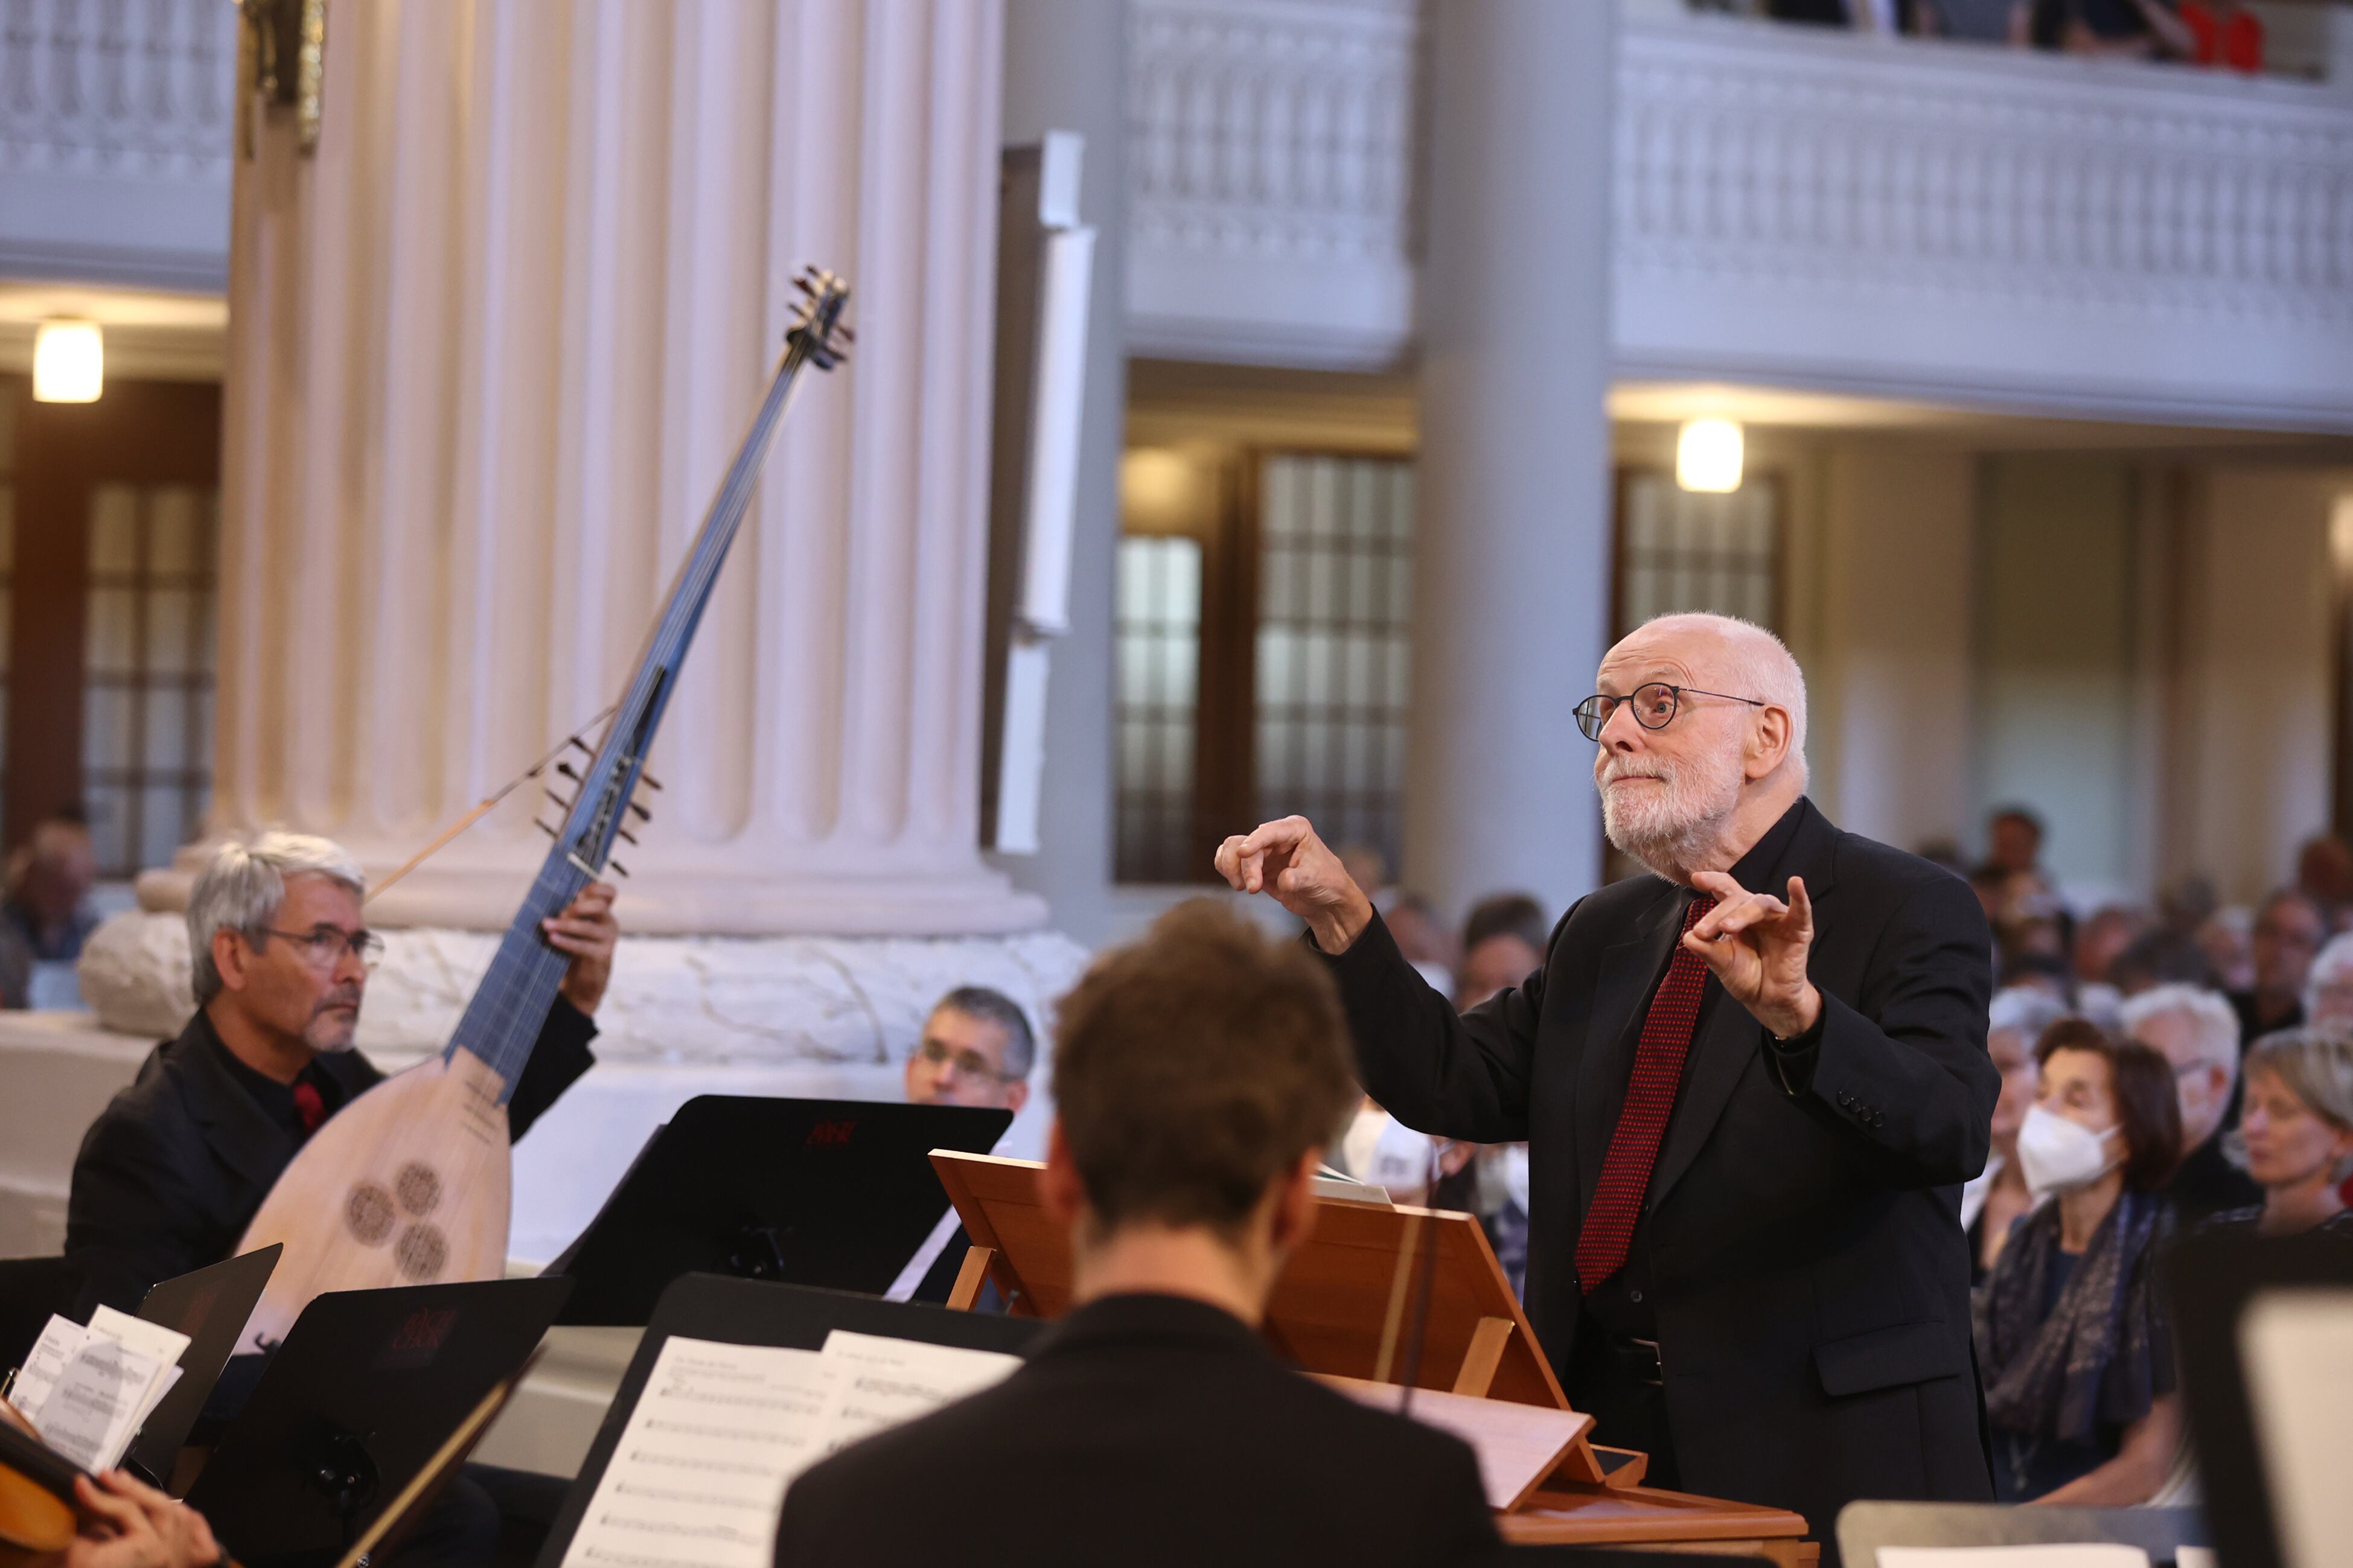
242	889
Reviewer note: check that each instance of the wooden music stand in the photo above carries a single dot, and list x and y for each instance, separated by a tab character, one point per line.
1344	1311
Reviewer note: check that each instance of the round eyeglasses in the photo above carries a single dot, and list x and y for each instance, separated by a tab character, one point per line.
1653	706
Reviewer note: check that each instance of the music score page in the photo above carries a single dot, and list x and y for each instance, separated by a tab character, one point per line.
699	1476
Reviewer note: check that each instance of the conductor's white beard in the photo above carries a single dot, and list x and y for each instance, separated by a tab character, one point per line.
1676	828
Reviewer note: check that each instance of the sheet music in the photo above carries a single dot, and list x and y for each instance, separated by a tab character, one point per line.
2041	1555
884	1382
701	1470
699	1476
61	1336
90	1414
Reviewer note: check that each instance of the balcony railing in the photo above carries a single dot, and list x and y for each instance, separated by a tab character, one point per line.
1789	206
114	139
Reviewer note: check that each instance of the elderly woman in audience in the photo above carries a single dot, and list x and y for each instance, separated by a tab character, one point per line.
2071	1332
2297	1126
2328	985
1994	1202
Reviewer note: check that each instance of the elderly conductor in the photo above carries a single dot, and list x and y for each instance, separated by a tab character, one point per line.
1751	1085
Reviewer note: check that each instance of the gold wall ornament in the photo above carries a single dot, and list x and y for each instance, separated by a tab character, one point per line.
281	62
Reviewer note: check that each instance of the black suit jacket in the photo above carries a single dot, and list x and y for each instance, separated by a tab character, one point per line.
176	1165
1144	1430
1800	1241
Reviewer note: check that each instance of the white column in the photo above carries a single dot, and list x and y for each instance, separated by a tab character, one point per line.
490	350
1513	562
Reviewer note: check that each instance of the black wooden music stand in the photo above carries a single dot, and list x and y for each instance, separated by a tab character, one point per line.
753	1313
363	1395
210	1306
2213	1278
831	1193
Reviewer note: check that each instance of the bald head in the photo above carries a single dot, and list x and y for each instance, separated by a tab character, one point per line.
1703	747
1728	654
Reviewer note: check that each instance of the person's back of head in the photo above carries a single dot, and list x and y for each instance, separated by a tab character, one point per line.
1199	1076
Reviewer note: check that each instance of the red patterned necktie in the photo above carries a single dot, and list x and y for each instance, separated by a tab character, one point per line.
307	1101
1649	1099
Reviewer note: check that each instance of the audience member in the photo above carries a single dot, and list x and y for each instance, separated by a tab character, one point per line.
2198	1034
2228	942
2100	940
1423	938
2324	873
2186	903
2328	985
975	1050
2043	972
1996	1199
2288	930
1984	21
2014	842
2137	29
1503	943
2072	1338
2161	956
1198	1078
2297	1128
47	915
2226	34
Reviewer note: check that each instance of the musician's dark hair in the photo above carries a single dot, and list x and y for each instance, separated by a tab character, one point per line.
996	1007
1194	1067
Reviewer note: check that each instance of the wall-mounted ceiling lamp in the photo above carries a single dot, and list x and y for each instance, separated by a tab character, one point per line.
1707	456
69	362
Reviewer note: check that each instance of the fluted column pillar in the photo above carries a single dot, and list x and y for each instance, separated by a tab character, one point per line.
492	347
1512	558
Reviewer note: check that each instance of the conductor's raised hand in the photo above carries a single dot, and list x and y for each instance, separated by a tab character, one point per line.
1287	860
1757	945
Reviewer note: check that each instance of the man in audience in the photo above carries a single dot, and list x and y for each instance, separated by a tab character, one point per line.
1198	1078
2162	955
2100	940
2288	930
2197	1032
1502	944
977	1050
2324	873
47	915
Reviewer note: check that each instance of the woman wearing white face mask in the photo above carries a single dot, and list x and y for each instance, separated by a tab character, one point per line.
2297	1126
2072	1340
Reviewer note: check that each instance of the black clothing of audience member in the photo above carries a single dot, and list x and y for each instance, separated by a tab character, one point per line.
2252	1028
2091	1397
2208	1184
1146	1429
176	1165
2108	20
1799	1258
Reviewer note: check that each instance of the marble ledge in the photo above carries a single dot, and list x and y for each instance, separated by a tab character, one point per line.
846	1003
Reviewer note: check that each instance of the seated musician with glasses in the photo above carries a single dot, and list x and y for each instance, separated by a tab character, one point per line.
172	1172
977	1050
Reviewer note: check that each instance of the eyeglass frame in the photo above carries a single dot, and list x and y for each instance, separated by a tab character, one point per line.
939	1056
1676	693
363	944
